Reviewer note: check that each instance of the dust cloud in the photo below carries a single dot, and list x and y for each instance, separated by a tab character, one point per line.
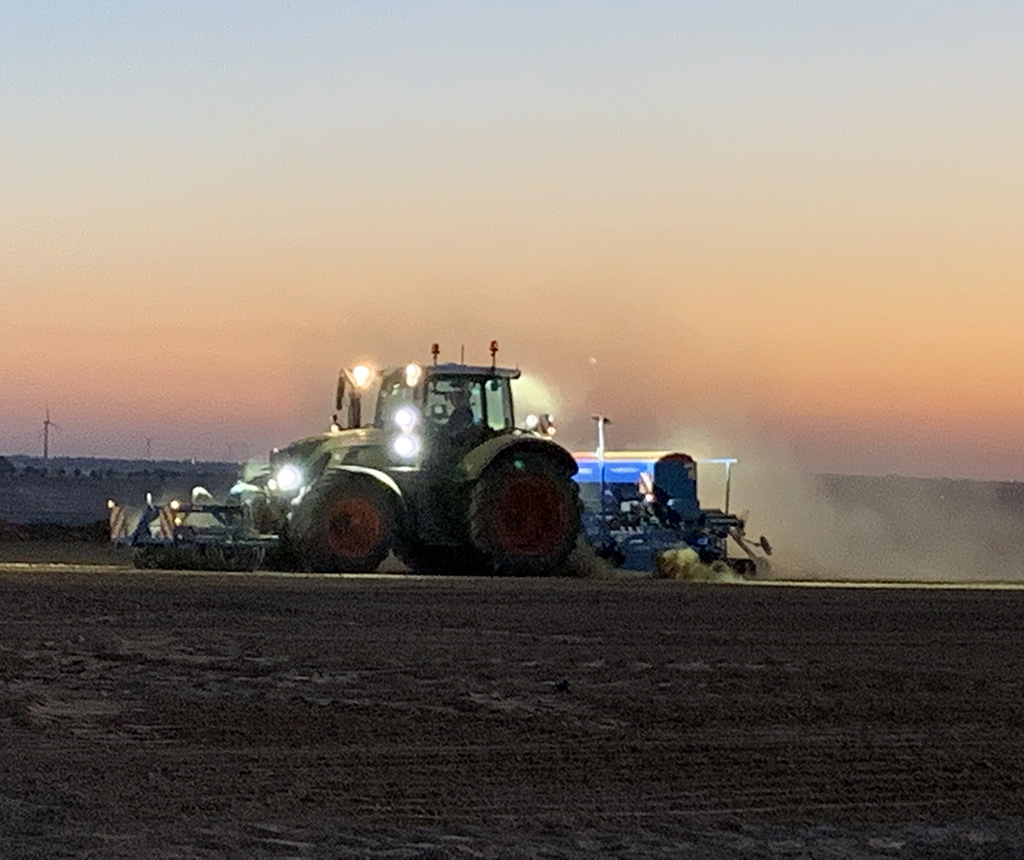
863	528
532	394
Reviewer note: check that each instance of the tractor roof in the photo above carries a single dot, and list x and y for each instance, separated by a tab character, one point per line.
453	369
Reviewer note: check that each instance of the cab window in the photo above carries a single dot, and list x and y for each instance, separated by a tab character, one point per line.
393	393
499	404
455	400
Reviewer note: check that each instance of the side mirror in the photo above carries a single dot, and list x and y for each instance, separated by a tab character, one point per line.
340	399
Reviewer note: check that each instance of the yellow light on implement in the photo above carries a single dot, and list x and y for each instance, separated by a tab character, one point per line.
362	375
413	374
175	505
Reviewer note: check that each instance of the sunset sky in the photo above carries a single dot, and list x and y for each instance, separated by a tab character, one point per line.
770	229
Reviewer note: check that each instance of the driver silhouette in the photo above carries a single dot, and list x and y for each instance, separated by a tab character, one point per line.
461	418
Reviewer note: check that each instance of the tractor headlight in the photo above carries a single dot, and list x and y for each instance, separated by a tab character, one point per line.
288	478
406	417
406	446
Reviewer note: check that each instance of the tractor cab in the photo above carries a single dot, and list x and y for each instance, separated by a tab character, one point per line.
437	412
445	409
457	398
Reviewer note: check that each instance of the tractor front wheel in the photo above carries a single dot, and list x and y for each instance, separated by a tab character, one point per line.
344	526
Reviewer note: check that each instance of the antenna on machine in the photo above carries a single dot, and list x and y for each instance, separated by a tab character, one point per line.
602	422
435	351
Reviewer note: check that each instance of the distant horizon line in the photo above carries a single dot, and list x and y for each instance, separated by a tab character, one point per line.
35	458
99	458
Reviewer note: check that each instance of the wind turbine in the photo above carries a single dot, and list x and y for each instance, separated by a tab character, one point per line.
47	424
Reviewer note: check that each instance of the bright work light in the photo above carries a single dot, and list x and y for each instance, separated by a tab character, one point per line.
362	375
406	446
288	478
406	418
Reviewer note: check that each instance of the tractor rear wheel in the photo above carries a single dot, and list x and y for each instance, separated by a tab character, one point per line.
344	526
524	514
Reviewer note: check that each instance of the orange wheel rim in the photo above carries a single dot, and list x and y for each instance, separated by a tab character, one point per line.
354	527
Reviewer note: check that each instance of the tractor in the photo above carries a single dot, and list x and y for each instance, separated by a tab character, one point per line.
438	473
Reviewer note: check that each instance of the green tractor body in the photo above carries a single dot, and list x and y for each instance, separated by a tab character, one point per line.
439	474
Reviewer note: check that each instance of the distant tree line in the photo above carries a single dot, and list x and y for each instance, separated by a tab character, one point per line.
9	470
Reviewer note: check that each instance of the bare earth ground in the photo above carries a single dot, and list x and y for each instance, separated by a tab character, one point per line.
178	715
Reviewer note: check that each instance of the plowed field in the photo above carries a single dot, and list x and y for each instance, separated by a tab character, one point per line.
207	715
